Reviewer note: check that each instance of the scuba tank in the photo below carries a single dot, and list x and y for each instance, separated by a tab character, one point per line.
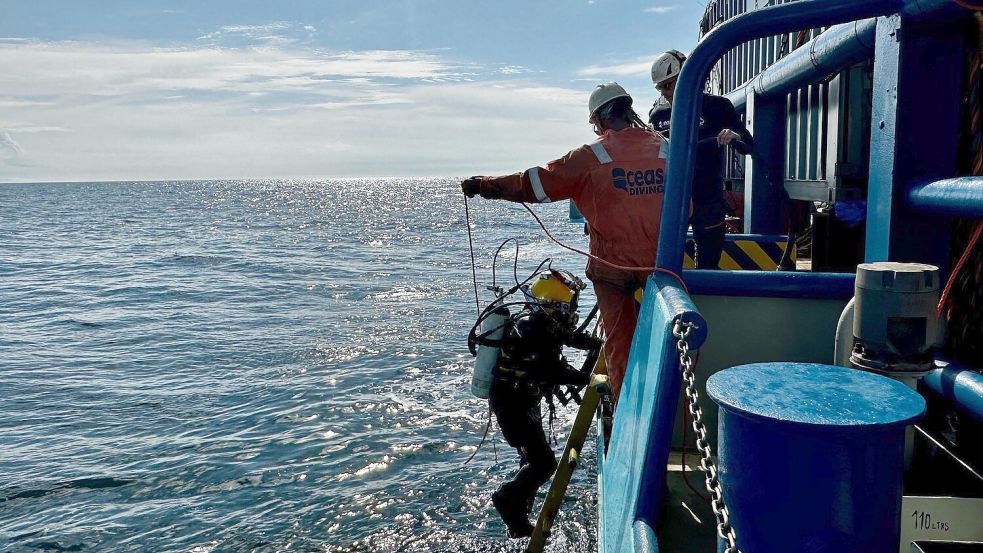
489	349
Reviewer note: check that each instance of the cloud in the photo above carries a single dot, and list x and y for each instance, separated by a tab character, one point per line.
124	110
9	148
37	72
248	31
512	69
34	129
281	33
659	10
639	66
10	103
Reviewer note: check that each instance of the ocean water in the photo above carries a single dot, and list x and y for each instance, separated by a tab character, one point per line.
255	366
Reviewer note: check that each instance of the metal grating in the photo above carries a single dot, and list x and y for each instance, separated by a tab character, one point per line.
824	138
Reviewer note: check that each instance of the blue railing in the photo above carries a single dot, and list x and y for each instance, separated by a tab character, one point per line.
772	284
959	385
633	470
832	51
956	197
632	475
749	26
688	99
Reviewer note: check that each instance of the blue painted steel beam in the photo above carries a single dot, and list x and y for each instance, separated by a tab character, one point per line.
677	304
884	107
961	386
764	173
771	284
777	19
633	477
957	197
913	140
756	237
834	50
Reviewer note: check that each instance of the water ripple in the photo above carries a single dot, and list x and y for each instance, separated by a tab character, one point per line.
253	366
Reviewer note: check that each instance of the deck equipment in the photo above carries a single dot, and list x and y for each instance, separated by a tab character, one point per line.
871	128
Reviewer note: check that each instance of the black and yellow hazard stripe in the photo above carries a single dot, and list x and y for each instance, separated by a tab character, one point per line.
748	254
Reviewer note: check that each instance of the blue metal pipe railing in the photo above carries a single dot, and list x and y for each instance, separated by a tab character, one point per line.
961	386
956	197
771	284
632	478
645	539
832	51
622	492
773	20
935	10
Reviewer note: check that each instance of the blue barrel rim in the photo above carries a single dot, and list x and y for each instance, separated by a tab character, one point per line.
817	397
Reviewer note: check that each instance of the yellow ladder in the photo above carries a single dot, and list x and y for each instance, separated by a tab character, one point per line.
568	461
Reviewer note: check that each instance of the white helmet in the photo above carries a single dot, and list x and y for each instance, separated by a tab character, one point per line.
667	66
603	94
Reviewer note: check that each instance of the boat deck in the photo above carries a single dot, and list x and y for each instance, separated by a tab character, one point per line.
689	525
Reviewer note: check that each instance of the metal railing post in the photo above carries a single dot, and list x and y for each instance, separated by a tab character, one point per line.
764	173
912	140
768	21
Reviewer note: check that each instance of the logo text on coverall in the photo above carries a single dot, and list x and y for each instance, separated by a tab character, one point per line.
635	183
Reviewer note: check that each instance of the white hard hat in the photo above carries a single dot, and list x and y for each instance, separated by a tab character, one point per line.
603	94
667	66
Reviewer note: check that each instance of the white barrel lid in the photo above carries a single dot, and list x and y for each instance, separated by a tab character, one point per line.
911	278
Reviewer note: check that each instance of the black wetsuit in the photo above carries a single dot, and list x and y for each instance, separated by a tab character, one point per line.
531	365
709	207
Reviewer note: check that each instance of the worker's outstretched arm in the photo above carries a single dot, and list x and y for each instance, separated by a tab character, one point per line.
561	179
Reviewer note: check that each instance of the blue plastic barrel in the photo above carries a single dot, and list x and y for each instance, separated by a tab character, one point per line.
811	456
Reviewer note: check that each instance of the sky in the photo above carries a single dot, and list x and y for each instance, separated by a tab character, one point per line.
139	90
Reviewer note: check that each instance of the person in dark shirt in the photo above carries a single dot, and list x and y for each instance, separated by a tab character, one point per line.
719	126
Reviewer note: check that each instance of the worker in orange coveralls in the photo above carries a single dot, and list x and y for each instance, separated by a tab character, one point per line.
618	183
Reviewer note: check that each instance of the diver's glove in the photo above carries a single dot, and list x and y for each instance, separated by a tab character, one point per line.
566	375
584	341
471	186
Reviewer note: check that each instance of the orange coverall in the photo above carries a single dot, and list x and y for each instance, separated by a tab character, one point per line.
618	183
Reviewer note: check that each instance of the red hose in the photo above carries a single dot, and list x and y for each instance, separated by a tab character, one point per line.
968	5
627	268
959	265
598	259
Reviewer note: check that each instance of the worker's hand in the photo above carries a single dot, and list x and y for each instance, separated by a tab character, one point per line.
727	136
471	186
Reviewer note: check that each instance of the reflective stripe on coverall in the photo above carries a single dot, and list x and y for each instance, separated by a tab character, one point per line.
617	183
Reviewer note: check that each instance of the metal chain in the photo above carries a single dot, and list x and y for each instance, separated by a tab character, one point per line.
681	330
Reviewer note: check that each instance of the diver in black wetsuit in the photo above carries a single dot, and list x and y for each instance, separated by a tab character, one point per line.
718	120
532	368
